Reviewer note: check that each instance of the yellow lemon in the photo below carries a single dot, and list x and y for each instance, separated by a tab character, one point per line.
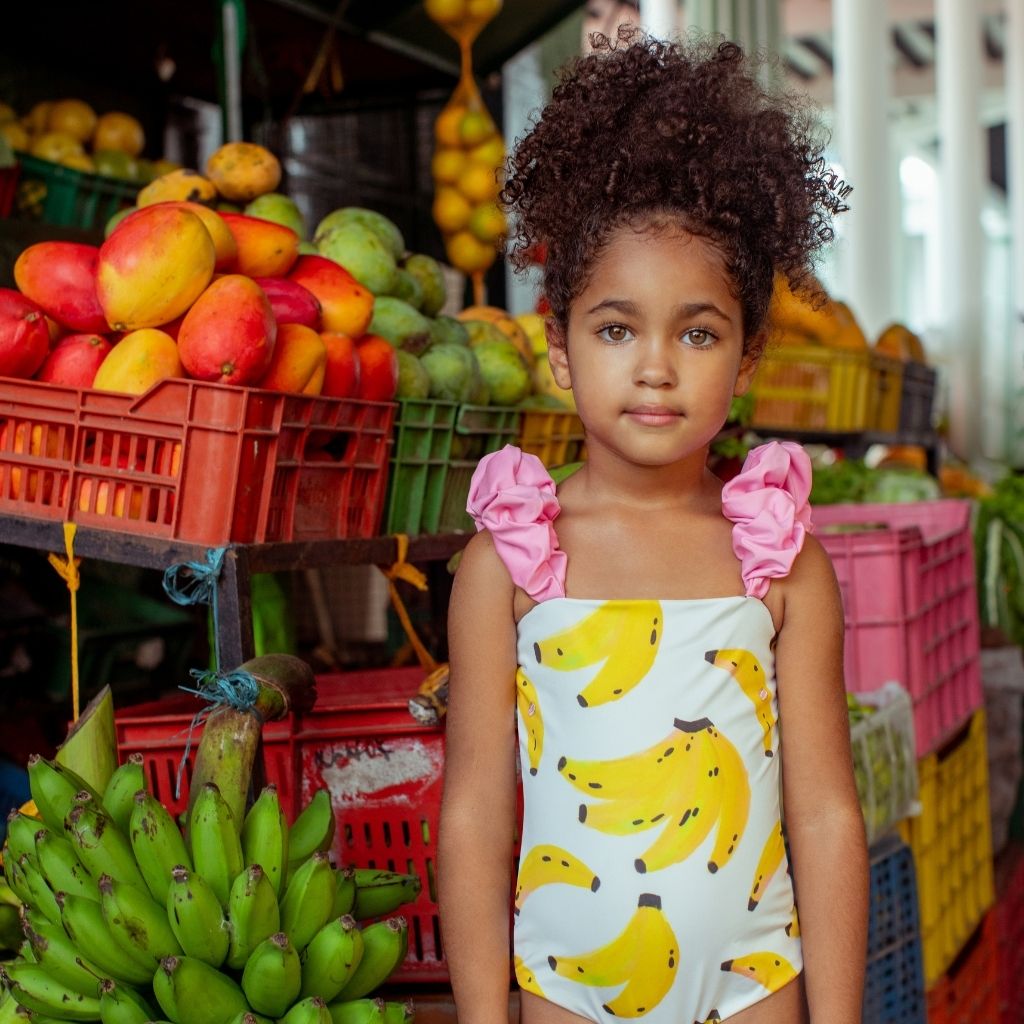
446	127
14	132
478	183
445	11
451	210
487	223
35	120
75	117
468	253
475	127
447	165
55	146
491	153
483	10
79	162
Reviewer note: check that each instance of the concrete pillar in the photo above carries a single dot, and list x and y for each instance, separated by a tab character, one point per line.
962	152
658	17
862	136
1014	364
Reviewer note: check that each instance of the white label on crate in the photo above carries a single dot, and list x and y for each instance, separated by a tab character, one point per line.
355	770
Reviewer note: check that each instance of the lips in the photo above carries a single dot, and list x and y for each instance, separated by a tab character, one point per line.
653	415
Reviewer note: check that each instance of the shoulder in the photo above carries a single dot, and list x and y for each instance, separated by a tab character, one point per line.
480	564
810	590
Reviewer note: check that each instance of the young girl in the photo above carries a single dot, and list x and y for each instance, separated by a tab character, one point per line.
651	626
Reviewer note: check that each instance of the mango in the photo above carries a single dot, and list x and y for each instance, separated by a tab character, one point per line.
75	360
402	325
290	302
361	252
138	361
225	247
446	330
241	171
21	437
24	335
153	267
387	231
229	333
265	249
502	367
413	379
346	306
505	322
408	289
298	363
453	372
428	272
280	209
60	277
480	331
182	185
343	373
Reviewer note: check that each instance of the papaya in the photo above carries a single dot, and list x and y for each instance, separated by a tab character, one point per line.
153	267
178	186
241	171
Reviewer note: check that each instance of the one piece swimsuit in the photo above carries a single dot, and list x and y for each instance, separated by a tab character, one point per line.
653	878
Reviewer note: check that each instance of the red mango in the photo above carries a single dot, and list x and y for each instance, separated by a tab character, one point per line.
61	278
378	368
341	379
291	303
74	360
24	335
265	249
347	306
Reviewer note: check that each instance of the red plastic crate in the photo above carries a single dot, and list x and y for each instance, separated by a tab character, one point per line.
908	588
1009	919
207	463
968	993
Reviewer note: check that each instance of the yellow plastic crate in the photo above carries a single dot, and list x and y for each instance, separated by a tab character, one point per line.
885	393
553	435
951	840
811	387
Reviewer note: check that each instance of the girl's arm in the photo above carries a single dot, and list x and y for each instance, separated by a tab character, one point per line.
824	821
478	807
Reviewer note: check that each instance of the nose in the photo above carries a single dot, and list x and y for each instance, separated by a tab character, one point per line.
655	366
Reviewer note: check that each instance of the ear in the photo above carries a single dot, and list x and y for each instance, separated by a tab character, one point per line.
749	363
558	352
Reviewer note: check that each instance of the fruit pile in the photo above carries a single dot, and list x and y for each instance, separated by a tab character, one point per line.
226	921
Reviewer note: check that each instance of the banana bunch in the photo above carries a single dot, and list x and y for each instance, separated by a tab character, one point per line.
127	919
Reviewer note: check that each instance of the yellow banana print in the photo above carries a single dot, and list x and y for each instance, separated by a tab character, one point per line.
793	928
771	858
529	714
747	671
644	957
698	807
546	865
625	635
527	982
735	806
769	970
711	1018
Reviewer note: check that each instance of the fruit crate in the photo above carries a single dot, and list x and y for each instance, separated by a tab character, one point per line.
1009	921
885	393
884	760
478	431
968	993
811	387
906	573
8	188
206	463
917	398
384	771
65	197
952	844
894	980
553	435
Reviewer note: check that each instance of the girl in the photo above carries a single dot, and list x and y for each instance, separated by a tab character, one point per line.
651	626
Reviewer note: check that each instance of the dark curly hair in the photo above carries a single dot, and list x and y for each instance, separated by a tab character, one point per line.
639	129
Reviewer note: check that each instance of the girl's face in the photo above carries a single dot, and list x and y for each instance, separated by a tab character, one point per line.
654	347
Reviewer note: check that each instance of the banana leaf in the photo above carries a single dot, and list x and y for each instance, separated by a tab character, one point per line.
91	745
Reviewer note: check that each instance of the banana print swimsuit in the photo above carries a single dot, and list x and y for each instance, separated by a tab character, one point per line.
653	880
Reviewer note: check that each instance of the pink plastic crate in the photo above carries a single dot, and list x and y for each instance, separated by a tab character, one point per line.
908	587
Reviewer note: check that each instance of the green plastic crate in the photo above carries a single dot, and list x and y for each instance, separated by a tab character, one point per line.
68	198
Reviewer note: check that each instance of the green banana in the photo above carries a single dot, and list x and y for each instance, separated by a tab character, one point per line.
119	795
265	837
21	835
36	990
399	1013
197	918
14	876
313	829
8	1008
60	866
83	921
58	955
216	845
307	1011
156	842
382	892
331	958
122	1004
100	845
272	976
136	921
344	892
384	947
253	913
41	895
54	788
247	1018
190	991
357	1011
308	900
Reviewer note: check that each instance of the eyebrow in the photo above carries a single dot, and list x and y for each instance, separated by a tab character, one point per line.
685	309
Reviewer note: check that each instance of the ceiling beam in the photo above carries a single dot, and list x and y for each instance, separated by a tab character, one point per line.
806	17
807	63
916	42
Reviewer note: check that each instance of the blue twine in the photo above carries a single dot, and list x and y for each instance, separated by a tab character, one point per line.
195	582
237	689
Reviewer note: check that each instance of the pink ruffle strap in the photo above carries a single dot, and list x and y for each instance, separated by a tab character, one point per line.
513	497
767	503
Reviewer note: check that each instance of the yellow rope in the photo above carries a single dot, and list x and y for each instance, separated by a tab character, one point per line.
67	569
403	570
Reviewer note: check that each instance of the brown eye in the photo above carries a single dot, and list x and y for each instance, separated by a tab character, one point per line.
614	333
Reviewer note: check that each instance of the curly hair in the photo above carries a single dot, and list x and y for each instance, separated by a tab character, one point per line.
639	129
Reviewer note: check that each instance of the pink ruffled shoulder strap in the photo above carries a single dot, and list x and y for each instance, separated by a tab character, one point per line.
513	496
767	503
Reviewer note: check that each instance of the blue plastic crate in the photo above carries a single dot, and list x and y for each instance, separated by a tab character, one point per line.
894	986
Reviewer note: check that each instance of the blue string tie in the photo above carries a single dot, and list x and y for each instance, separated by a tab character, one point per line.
195	582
